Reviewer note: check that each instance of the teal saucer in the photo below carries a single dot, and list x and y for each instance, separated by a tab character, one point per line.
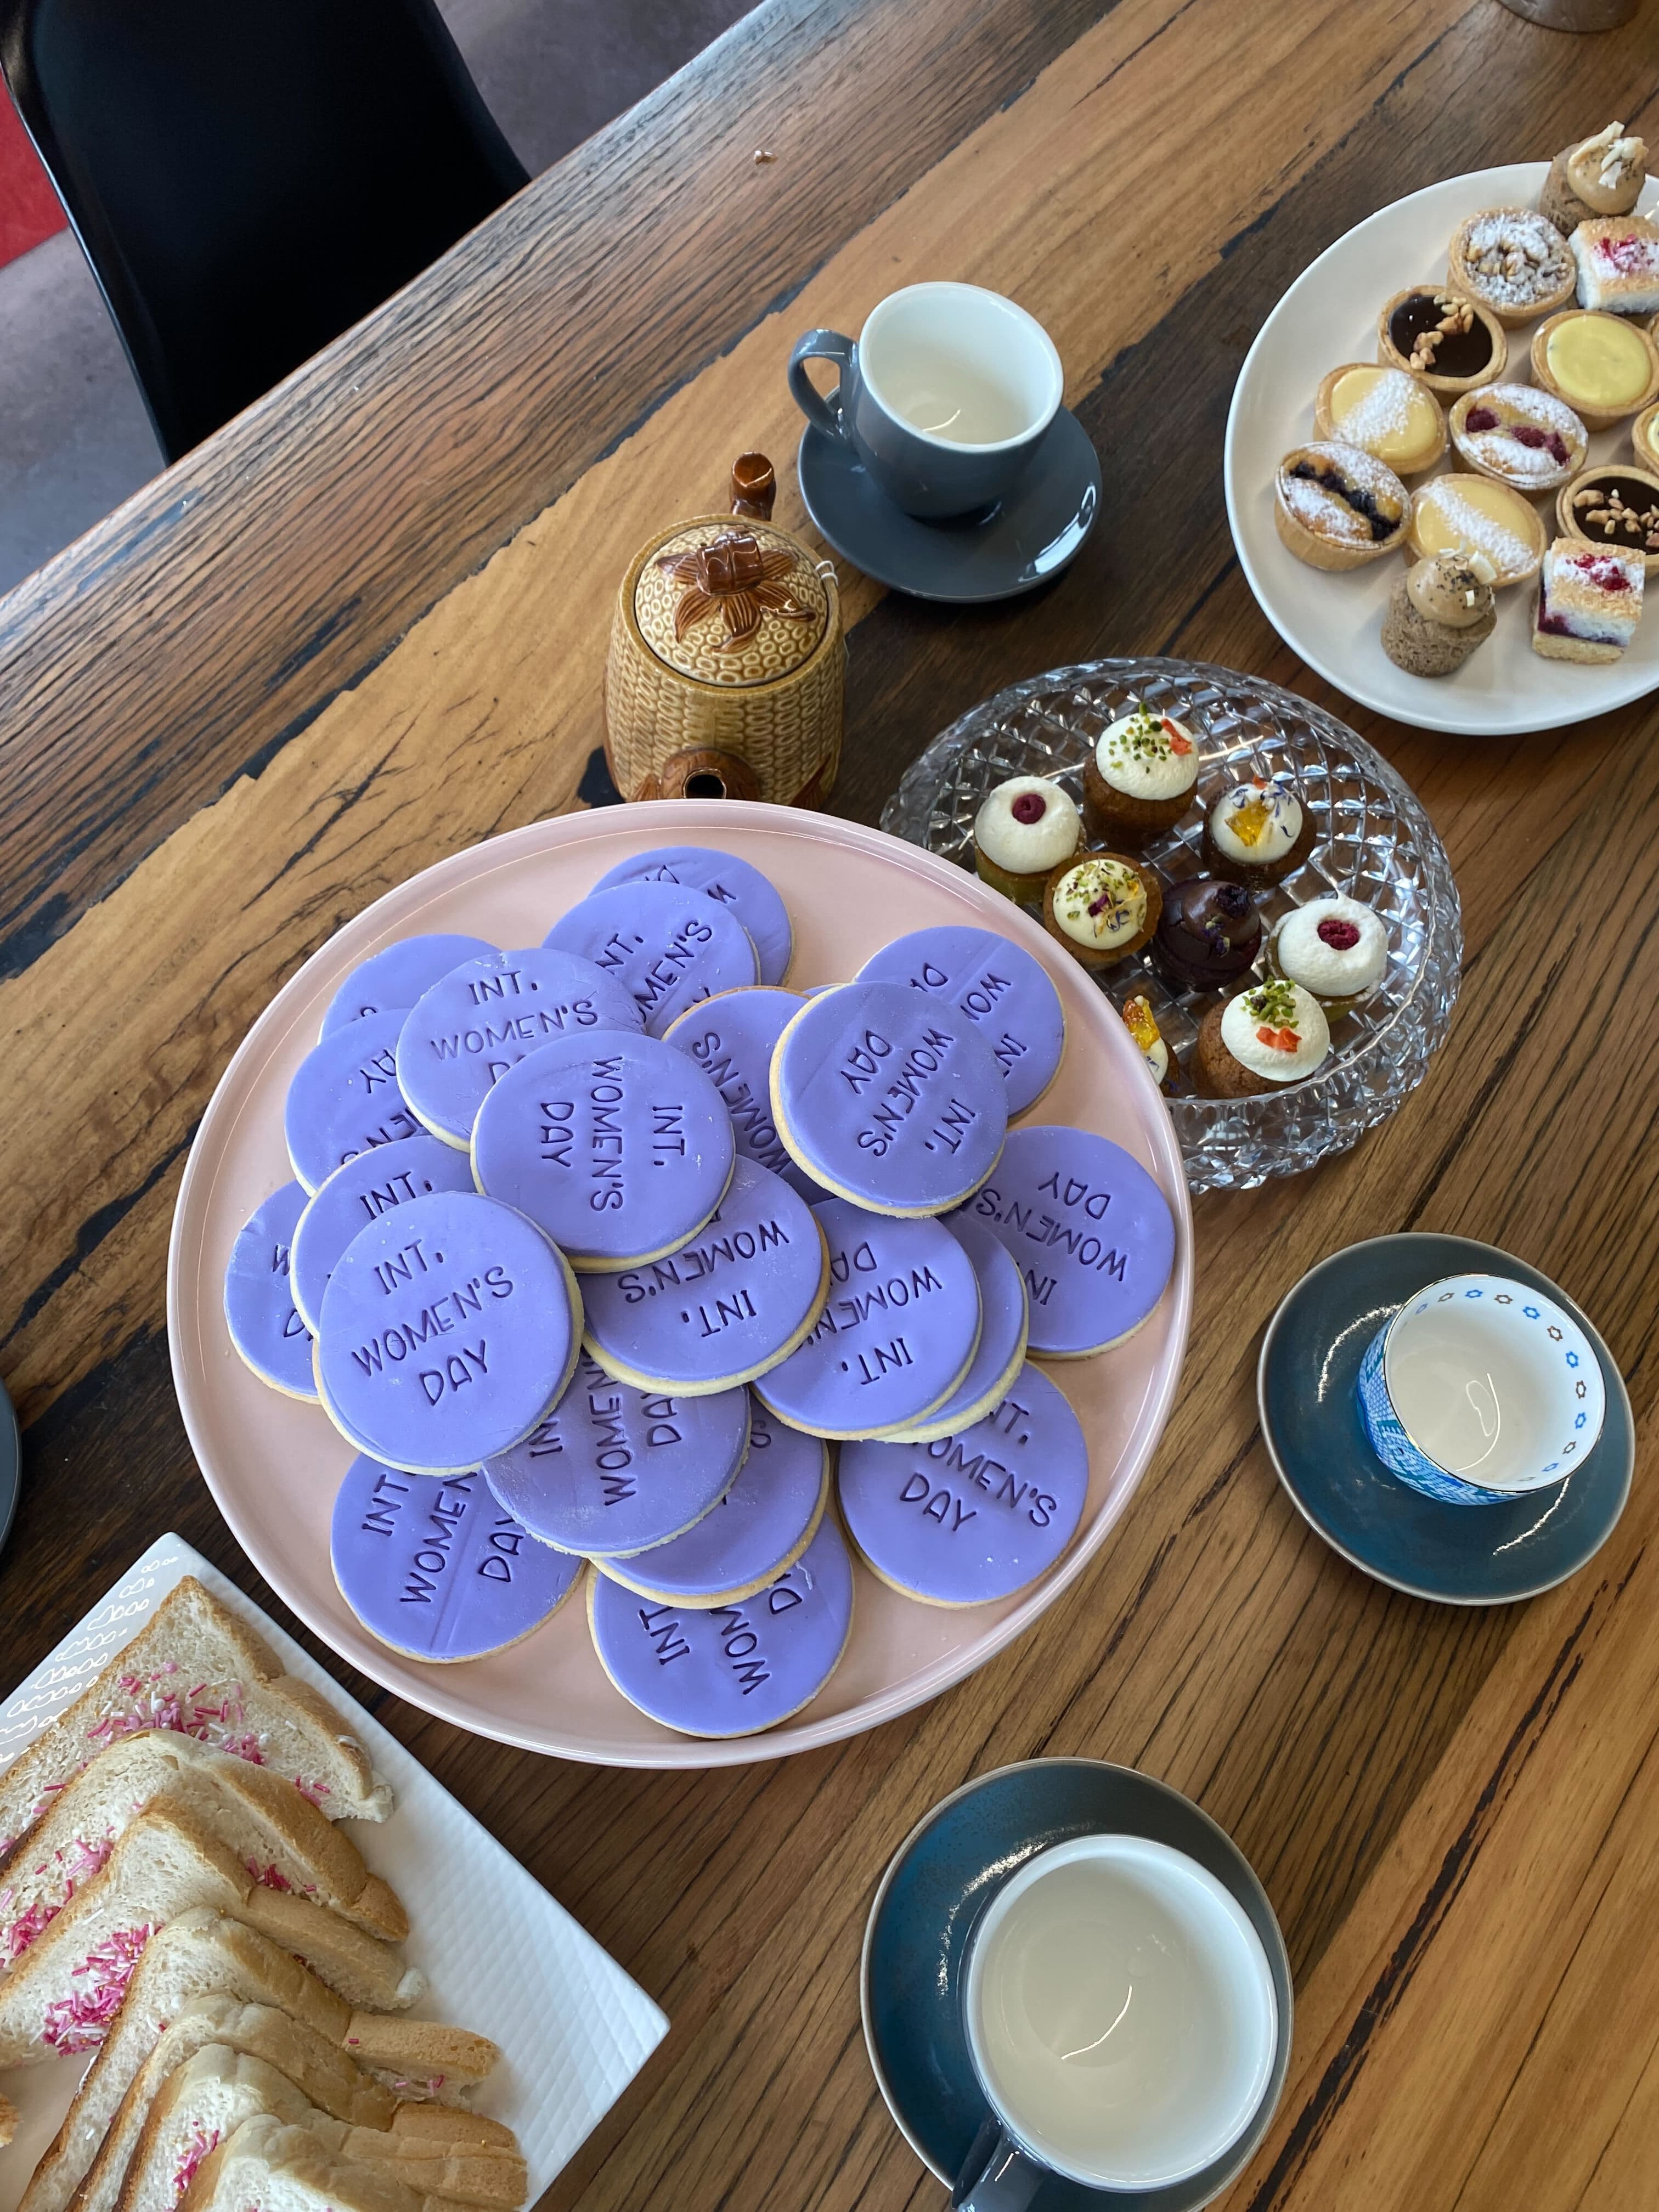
941	1879
1453	1554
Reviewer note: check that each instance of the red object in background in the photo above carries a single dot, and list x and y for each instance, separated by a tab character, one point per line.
29	209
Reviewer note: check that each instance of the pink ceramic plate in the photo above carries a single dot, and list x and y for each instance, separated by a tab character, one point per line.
273	1464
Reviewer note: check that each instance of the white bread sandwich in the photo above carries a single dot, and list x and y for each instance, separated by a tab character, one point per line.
206	2100
268	2165
275	1831
208	1953
195	1668
64	1992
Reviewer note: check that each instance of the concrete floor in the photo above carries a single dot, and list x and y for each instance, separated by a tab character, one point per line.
75	440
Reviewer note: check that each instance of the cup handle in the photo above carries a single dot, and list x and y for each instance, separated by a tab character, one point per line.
997	2175
822	412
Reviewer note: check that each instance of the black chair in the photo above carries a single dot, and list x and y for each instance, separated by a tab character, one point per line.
250	177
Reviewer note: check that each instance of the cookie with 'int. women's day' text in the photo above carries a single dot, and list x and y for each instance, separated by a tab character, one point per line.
1006	991
751	897
266	1326
668	945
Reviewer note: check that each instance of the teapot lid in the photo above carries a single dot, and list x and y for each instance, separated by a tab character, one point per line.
730	600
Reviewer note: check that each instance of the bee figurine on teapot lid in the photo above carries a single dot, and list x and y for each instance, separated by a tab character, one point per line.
726	667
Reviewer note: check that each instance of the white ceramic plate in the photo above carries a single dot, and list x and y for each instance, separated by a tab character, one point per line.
274	1463
1335	622
500	1956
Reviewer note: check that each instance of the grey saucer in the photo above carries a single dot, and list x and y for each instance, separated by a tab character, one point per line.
1022	543
10	1465
1453	1554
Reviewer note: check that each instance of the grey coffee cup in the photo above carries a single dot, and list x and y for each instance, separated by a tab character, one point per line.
944	396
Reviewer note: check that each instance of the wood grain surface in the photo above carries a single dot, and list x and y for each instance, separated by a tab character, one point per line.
364	627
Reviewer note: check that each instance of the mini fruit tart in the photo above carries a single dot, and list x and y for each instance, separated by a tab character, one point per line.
1336	508
1335	948
1618	263
1207	936
1614	506
1519	435
1514	261
1589	602
1477	514
1599	176
1386	413
1603	366
1644	431
1024	830
1273	1034
1452	344
1257	833
1142	1024
1101	907
1438	612
1140	778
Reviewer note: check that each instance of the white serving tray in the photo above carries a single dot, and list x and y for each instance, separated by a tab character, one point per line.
502	1957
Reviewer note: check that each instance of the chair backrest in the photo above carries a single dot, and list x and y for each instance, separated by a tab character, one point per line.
250	177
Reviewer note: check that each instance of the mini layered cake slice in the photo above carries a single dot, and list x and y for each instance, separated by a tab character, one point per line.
1589	601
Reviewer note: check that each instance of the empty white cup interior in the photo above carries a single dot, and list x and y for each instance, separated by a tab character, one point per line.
960	367
1121	2012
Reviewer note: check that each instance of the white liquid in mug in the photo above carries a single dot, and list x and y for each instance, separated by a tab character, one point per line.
1469	1396
1109	2034
936	390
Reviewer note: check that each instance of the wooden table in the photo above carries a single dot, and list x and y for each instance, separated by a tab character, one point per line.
364	626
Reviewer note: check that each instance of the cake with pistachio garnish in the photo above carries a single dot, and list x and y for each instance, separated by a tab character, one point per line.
1140	778
1102	908
1438	612
1270	1035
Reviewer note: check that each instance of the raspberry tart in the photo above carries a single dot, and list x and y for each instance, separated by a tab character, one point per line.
1519	435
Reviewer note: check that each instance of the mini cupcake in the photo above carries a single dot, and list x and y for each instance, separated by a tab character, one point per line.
1602	175
1438	612
1334	948
1102	908
1025	828
1142	1024
1259	1042
1207	936
1257	833
1140	778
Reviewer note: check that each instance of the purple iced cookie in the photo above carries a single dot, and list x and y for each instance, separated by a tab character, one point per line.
761	1525
1001	1352
729	1669
394	978
448	1330
1007	994
1090	1231
359	1192
617	1146
613	1469
898	1335
266	1326
669	947
733	1301
344	1099
732	1038
436	1568
722	876
976	1516
485	1016
889	1096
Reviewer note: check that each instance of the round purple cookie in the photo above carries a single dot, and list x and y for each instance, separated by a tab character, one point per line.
889	1097
897	1337
732	1038
976	1516
448	1330
436	1569
344	1099
733	1301
264	1324
1003	1323
736	884
669	947
357	1193
1088	1230
732	1669
761	1525
1010	996
394	978
617	1146
615	1470
485	1016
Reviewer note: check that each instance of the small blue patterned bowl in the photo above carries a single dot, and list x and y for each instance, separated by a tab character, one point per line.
1516	1370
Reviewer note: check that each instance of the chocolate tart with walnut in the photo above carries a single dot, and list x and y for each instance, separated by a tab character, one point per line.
1450	343
1101	907
1614	506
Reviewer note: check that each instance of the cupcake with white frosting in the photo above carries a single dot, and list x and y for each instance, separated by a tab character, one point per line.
1023	830
1270	1035
1257	832
1102	908
1140	778
1334	948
